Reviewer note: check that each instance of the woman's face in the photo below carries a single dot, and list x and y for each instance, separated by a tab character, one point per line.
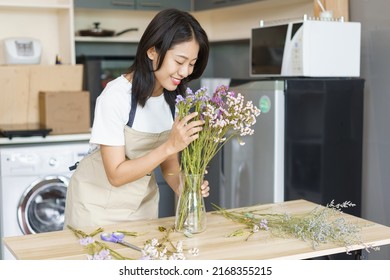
178	63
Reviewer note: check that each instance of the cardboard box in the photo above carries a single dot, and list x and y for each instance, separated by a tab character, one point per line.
65	112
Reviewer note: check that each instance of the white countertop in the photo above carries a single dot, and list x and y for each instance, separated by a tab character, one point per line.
43	140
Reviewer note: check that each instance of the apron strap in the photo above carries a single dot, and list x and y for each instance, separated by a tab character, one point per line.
74	166
133	109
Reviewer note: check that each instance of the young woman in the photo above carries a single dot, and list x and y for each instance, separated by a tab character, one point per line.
134	129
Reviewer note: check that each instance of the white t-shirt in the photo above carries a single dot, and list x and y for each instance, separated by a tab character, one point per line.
112	114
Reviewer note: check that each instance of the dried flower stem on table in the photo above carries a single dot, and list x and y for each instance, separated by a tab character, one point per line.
319	226
154	249
96	250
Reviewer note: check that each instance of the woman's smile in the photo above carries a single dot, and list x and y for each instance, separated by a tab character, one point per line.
176	81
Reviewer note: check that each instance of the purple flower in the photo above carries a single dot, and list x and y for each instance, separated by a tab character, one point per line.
216	99
189	91
86	241
104	255
179	99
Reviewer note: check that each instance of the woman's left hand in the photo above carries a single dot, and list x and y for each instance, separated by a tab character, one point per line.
205	188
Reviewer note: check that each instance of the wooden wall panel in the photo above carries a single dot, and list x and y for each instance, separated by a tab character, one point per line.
14	94
338	7
20	87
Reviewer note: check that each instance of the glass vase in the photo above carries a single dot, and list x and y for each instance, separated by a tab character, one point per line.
190	210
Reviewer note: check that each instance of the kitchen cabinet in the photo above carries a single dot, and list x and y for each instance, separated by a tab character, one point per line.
105	4
49	21
200	5
184	5
225	24
134	4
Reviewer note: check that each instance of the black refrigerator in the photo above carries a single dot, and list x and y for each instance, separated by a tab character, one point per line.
307	144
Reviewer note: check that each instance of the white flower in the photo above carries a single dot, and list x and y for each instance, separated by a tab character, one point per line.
179	246
177	256
194	251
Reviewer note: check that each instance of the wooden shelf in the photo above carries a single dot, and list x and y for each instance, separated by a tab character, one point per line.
51	22
105	39
37	4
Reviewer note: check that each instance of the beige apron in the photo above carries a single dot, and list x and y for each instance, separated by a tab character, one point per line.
92	201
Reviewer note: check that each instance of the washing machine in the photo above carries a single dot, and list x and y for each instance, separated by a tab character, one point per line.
33	184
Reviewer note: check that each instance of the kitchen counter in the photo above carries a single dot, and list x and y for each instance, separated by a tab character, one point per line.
44	140
212	243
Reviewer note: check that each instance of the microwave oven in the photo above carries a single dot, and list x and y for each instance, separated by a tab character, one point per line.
306	48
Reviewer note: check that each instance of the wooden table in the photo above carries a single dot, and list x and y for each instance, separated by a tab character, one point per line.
212	243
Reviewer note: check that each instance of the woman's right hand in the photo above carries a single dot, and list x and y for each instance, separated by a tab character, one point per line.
183	132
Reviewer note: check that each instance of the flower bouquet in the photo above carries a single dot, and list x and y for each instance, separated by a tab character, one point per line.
227	115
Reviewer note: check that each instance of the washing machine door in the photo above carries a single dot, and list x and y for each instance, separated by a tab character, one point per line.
42	205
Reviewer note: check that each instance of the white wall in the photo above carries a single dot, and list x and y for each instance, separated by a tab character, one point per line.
375	69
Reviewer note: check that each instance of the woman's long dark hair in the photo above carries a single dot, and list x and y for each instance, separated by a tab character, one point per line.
167	29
